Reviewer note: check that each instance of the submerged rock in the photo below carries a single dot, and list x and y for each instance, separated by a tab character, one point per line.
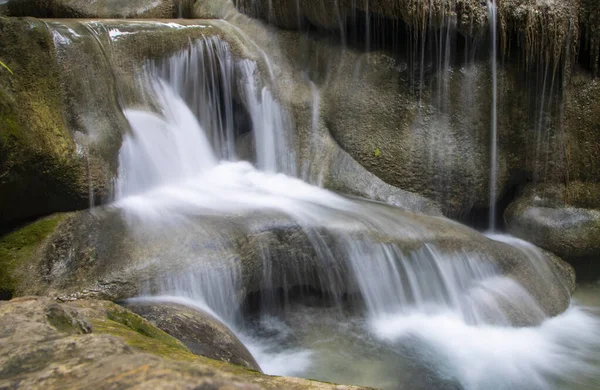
99	344
198	330
562	219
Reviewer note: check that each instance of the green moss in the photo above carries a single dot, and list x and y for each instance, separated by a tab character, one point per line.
40	171
64	321
161	345
17	247
141	334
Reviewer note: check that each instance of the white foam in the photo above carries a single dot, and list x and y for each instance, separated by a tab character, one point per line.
484	357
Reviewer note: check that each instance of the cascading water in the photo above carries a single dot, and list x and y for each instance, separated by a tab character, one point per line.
433	309
494	136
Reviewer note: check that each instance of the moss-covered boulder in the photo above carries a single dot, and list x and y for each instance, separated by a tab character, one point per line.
564	219
18	248
41	168
96	344
96	8
202	333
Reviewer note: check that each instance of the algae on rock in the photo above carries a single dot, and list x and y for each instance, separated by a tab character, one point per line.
17	249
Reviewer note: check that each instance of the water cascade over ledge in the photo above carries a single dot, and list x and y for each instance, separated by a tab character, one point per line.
405	284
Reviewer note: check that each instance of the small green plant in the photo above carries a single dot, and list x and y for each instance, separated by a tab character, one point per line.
377	152
2	64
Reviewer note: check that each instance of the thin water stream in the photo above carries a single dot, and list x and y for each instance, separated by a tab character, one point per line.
494	131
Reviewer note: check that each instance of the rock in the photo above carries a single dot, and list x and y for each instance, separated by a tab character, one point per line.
100	255
41	169
17	247
562	219
332	15
551	26
96	9
202	333
96	344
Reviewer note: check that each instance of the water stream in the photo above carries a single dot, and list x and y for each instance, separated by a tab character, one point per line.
494	116
397	312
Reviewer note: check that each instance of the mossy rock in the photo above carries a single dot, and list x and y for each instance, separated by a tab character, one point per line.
61	118
41	170
202	333
17	249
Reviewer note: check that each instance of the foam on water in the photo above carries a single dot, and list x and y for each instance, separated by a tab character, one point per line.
562	349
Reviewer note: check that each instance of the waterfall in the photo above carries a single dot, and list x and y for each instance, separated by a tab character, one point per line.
271	123
179	161
213	84
494	136
180	179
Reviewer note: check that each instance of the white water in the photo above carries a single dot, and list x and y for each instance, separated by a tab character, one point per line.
494	136
456	303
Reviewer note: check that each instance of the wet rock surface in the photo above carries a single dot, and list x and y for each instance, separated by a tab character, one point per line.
562	219
202	333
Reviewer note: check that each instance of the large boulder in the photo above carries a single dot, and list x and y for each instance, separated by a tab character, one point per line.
41	167
562	219
96	344
198	330
96	9
111	254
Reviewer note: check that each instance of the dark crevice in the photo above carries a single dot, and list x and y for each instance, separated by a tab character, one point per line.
479	218
276	301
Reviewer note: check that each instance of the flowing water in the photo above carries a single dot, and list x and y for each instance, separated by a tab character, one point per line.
397	312
494	131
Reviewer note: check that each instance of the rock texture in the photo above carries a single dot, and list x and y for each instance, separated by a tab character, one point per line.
562	219
61	118
198	330
41	168
94	344
541	27
97	9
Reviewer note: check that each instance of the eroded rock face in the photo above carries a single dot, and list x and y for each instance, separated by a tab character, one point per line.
98	344
562	219
198	330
